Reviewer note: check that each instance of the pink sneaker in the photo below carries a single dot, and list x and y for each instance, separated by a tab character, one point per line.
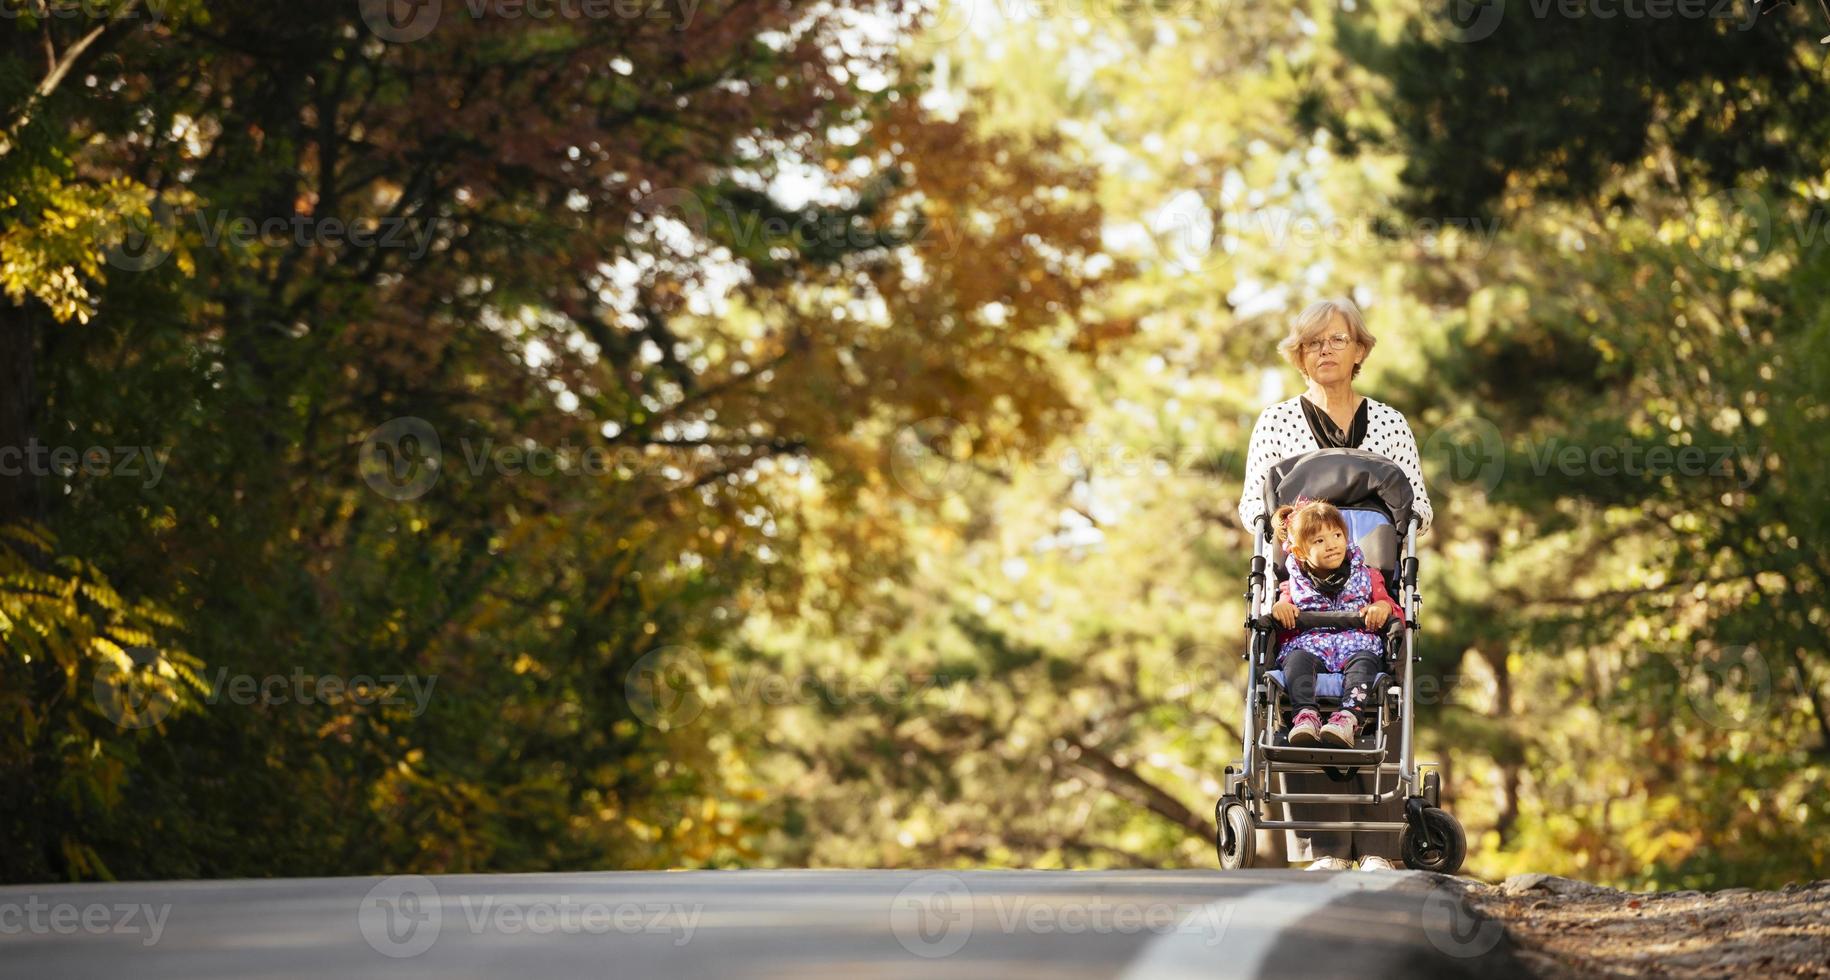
1339	731
1306	730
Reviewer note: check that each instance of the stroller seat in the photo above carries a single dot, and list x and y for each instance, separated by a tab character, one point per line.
1329	687
1372	531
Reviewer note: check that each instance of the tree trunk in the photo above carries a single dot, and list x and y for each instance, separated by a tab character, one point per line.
18	404
1509	770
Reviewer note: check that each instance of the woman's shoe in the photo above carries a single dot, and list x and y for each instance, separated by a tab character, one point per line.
1340	730
1330	864
1373	862
1306	730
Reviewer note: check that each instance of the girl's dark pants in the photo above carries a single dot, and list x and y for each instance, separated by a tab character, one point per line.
1300	668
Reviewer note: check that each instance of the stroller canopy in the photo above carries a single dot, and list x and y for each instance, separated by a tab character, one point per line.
1346	478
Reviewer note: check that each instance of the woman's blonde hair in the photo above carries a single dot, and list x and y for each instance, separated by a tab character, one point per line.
1313	321
1300	522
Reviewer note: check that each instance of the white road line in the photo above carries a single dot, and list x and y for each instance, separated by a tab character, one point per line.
1254	924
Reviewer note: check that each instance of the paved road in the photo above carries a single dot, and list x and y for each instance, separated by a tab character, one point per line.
1052	924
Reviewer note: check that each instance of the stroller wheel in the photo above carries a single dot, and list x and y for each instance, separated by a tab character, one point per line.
1234	835
1435	843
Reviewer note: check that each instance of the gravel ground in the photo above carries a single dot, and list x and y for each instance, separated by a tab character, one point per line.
1567	928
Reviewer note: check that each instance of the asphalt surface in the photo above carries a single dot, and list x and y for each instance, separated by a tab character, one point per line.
758	923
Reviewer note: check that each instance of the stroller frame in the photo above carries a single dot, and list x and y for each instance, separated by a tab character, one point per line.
1430	838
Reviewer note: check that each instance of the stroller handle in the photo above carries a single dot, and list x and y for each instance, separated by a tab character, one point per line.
1324	620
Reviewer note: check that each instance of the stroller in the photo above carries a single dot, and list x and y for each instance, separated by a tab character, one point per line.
1374	497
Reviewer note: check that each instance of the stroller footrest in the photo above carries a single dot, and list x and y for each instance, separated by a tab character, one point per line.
1325	755
1369	799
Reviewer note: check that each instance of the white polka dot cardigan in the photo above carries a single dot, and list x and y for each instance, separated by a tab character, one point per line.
1282	432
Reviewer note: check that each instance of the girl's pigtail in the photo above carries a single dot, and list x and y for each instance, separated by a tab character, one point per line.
1281	521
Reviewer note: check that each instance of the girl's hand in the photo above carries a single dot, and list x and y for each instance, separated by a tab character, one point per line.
1285	613
1376	615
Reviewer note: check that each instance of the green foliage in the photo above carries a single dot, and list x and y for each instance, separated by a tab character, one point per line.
924	380
89	678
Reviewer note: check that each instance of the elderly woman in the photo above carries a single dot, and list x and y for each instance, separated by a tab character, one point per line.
1328	343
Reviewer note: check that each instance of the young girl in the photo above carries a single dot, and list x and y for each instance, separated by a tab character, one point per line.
1327	574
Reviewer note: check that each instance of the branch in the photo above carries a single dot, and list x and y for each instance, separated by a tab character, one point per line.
1125	782
55	77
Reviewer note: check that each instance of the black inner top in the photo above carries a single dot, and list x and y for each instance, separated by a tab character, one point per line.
1329	435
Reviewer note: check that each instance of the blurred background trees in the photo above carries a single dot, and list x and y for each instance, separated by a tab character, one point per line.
809	435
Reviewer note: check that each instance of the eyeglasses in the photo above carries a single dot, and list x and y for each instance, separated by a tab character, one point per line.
1337	342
